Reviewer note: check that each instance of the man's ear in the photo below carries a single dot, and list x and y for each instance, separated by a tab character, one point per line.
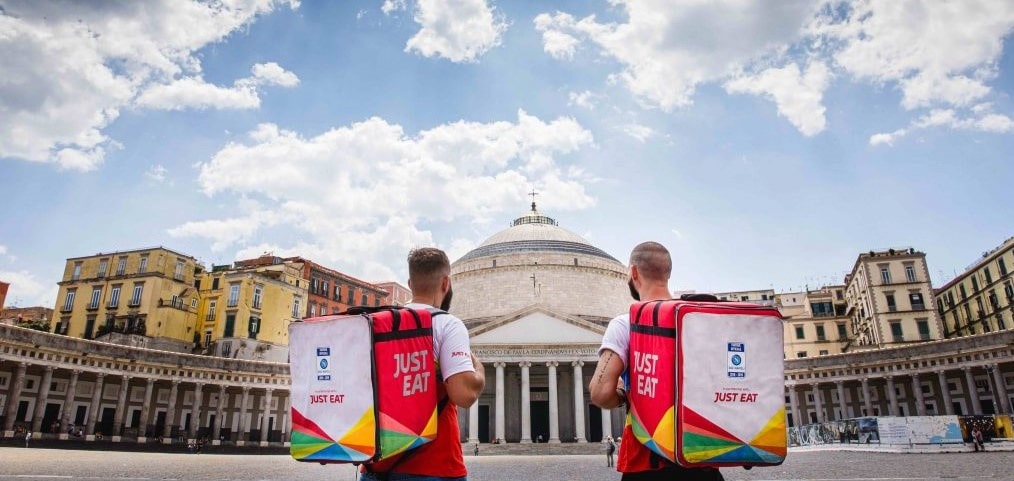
634	274
410	284
445	284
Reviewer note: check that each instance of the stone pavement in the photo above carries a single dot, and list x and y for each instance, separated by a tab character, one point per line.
34	464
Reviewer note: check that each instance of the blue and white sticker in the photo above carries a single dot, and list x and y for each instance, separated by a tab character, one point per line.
737	360
323	363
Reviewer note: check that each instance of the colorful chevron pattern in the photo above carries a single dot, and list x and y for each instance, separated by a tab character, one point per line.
706	442
311	443
662	441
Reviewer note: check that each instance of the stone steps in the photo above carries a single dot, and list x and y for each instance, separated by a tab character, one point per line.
534	449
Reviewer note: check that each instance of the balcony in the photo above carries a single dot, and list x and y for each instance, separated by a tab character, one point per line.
918	306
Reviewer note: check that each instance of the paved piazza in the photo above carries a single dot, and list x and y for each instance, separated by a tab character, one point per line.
47	464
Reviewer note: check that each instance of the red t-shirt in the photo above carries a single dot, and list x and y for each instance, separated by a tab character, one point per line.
441	458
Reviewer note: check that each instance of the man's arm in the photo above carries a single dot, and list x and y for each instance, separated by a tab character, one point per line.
605	386
464	388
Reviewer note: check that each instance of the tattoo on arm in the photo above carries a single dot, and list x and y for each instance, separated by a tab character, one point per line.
605	364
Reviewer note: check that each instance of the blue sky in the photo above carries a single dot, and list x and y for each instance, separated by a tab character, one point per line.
765	143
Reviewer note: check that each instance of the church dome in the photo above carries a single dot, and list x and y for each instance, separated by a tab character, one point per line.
535	262
535	232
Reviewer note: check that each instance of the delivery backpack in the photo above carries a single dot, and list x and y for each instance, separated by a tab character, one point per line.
706	383
364	385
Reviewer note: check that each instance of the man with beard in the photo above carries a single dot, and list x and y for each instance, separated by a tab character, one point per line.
429	279
650	268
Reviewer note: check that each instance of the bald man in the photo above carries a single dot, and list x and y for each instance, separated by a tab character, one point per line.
648	279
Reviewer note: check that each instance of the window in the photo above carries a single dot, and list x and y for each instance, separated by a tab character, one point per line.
207	338
376	302
822	309
910	273
77	272
916	299
135	298
258	290
114	297
178	274
989	277
896	331
350	293
325	287
975	283
313	285
143	266
96	298
254	327
924	331
121	266
820	333
364	300
1002	266
226	349
337	292
230	325
1009	290
891	306
885	275
233	294
313	310
842	332
801	354
964	295
823	352
103	265
175	302
214	283
68	301
799	333
838	295
295	308
193	303
212	305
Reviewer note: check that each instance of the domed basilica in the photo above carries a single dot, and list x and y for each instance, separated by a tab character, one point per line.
536	298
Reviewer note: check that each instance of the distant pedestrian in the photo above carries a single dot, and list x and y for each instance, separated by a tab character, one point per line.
610	449
476	449
28	438
977	439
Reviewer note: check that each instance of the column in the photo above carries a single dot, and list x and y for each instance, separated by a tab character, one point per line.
195	415
149	389
946	391
93	409
579	402
920	404
68	401
1001	389
265	416
473	423
891	395
284	422
216	430
607	422
500	418
797	420
819	403
244	425
13	395
840	385
170	413
40	402
526	404
973	393
554	408
121	407
866	397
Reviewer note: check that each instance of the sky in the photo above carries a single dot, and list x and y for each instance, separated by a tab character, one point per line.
765	143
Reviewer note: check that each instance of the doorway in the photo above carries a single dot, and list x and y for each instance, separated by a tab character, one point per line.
105	426
540	420
594	423
50	417
484	423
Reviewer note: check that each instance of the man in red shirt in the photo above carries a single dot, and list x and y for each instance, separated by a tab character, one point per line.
429	272
650	268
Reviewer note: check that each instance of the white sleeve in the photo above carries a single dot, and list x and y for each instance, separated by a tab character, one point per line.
617	337
450	339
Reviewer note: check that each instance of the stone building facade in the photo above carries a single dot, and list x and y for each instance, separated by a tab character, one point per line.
982	298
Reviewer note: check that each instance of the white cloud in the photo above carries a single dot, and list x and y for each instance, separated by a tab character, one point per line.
157	173
3	249
667	49
27	291
639	132
369	190
983	120
582	99
69	68
799	96
194	92
458	30
392	6
937	52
